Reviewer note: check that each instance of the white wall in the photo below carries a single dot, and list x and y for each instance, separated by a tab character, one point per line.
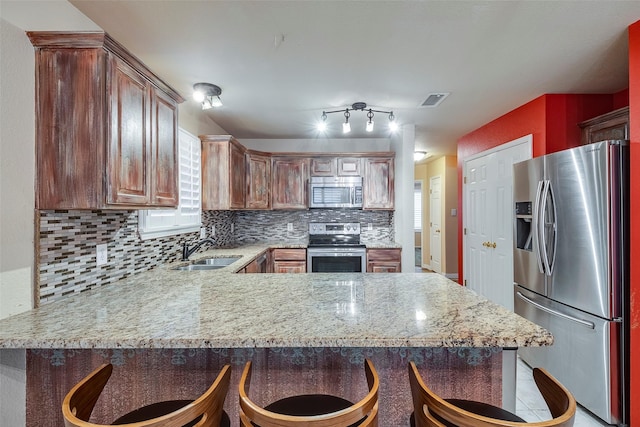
319	145
17	159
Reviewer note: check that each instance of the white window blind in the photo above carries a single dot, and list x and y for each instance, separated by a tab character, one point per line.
186	218
417	205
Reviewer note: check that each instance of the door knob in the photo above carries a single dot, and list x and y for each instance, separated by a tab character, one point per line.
493	245
437	231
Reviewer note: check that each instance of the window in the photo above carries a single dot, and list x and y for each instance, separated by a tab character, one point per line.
186	218
417	205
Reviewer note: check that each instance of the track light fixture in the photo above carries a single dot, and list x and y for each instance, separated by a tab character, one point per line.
208	94
357	106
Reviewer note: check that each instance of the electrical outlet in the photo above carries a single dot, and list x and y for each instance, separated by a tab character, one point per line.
369	227
203	233
232	227
213	231
289	226
101	254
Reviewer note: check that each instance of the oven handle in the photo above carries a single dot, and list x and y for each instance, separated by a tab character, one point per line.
336	252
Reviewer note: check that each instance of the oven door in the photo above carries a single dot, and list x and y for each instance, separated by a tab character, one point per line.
336	260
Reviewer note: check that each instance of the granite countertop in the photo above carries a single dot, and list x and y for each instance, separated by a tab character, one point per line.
166	308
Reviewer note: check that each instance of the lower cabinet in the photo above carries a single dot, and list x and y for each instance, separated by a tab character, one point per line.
289	260
384	260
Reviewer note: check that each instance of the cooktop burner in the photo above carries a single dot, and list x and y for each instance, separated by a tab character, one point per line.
334	234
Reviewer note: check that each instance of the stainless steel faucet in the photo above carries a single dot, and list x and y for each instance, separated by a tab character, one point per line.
186	252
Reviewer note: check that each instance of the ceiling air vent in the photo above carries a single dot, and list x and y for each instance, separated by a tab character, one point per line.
434	99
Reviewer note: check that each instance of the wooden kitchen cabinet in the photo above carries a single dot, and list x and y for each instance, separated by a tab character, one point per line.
613	125
223	173
336	166
259	265
258	181
289	177
289	260
384	260
378	186
106	126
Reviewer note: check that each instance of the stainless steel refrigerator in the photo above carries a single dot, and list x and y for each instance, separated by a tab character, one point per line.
571	269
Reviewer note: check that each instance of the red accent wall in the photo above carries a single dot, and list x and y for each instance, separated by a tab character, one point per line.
634	113
552	119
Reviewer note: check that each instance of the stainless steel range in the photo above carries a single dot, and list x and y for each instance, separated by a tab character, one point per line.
335	247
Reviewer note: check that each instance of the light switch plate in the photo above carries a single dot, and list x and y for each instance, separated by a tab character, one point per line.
289	226
213	231
203	233
101	254
369	227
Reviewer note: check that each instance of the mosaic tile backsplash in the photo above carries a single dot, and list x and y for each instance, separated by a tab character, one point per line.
68	239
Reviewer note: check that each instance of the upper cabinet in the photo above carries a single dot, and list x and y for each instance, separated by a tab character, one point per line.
336	166
106	126
258	178
223	173
289	179
234	177
378	186
613	125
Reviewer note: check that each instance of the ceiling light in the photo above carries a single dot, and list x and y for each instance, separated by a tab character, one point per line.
419	155
358	106
369	126
322	125
393	125
207	94
346	127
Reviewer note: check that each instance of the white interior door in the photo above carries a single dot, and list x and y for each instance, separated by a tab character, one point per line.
478	213
488	220
435	225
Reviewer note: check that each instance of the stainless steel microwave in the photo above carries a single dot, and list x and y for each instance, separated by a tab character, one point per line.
335	192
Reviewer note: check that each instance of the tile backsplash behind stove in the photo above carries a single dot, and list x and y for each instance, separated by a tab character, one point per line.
260	226
67	241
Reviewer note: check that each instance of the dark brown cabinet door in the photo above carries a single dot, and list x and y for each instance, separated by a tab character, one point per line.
223	173
384	260
349	166
289	183
237	189
378	183
129	157
164	148
258	181
69	170
323	166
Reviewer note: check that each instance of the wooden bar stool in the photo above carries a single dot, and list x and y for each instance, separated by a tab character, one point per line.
311	410
205	411
431	410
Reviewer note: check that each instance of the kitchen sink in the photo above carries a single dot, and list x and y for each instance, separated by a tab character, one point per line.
217	262
208	264
196	267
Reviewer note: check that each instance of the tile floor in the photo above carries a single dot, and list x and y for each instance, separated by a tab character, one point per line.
531	406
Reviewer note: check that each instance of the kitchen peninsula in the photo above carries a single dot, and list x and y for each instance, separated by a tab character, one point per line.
303	331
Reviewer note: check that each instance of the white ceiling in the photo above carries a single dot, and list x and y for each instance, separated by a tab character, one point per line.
281	63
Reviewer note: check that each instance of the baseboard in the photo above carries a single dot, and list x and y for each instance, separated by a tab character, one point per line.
452	276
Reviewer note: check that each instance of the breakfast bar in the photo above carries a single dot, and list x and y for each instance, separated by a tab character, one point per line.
168	332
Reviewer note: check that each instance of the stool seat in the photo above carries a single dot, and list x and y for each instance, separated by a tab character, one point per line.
311	404
311	410
432	410
159	409
478	408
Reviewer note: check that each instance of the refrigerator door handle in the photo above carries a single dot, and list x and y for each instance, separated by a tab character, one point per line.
536	226
582	322
546	195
